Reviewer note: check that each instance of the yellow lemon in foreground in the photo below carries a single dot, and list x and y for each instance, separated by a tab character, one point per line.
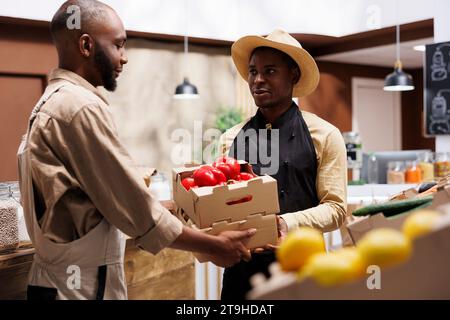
330	269
420	223
357	263
384	247
298	246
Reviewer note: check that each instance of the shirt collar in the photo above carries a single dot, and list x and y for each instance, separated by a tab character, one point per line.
285	118
58	74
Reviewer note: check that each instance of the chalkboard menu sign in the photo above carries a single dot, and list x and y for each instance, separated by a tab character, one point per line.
437	89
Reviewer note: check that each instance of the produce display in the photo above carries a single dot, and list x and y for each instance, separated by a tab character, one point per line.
420	223
225	170
208	176
392	208
334	268
298	246
303	253
226	195
384	247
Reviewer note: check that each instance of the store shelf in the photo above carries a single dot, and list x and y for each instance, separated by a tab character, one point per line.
370	193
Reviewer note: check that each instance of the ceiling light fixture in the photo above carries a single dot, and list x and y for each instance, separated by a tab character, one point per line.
186	90
398	80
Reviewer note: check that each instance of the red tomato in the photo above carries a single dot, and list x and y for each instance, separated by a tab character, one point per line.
219	175
226	170
188	183
244	176
242	200
229	166
204	177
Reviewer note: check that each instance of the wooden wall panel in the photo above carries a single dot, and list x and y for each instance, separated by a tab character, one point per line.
26	50
18	95
332	100
26	56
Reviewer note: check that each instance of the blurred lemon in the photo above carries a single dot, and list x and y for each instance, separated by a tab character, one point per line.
420	223
298	246
357	263
384	247
330	269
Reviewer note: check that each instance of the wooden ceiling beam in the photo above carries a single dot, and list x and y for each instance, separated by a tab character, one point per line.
317	45
374	38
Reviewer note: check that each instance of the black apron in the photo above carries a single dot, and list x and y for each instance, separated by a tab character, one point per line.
296	181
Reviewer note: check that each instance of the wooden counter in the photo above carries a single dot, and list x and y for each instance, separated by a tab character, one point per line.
169	275
14	269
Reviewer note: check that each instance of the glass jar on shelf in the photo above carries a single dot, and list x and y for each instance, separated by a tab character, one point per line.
442	164
354	154
413	174
160	187
396	172
9	216
426	164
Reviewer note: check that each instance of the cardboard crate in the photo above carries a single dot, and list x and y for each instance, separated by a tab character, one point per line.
441	199
358	228
266	226
208	205
423	276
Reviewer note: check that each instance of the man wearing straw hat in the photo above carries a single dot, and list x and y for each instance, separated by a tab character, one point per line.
309	153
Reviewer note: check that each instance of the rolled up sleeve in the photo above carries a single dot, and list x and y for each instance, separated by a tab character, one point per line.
111	179
165	231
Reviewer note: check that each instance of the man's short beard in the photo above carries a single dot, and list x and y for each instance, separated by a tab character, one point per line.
106	68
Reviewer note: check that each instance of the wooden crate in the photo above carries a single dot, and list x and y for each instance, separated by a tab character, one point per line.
169	275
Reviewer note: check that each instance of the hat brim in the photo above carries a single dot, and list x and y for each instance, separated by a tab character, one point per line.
242	48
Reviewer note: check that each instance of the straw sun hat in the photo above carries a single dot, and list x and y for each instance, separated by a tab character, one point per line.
283	41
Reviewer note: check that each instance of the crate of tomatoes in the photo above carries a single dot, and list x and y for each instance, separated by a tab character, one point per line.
227	195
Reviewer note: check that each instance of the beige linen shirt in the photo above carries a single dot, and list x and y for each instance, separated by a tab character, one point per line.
82	173
331	183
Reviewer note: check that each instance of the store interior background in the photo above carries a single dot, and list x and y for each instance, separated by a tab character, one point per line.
351	40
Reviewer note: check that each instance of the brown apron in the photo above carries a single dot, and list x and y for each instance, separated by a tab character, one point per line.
88	268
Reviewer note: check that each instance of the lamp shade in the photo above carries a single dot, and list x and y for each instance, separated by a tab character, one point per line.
398	81
186	90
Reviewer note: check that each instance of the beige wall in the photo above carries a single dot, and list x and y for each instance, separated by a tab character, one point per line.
143	106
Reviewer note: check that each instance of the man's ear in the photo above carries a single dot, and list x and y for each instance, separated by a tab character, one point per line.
86	45
295	75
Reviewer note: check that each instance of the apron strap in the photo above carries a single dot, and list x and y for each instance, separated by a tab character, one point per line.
41	293
102	271
41	102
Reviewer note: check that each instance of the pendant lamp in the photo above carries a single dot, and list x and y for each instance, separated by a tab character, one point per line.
398	80
186	90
